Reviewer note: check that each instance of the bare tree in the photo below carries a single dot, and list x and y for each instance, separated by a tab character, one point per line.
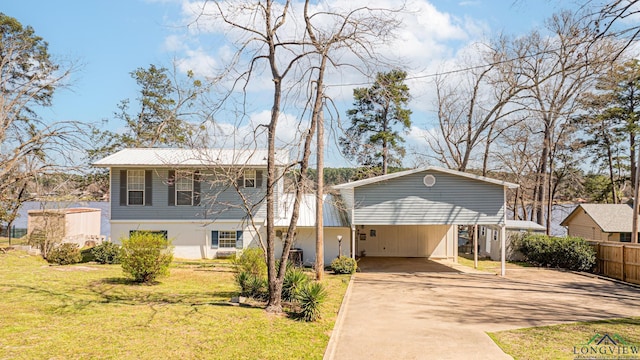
30	145
558	68
475	110
266	35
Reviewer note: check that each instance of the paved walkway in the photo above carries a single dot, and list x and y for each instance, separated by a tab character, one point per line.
436	312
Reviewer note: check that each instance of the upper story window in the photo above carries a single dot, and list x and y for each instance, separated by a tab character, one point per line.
135	187
249	178
184	188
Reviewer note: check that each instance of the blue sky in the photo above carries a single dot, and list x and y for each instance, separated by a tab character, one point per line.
109	39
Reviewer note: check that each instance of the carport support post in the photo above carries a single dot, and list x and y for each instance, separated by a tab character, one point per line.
353	242
503	250
475	246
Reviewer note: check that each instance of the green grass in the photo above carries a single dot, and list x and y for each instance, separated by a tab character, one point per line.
558	341
4	241
488	265
90	311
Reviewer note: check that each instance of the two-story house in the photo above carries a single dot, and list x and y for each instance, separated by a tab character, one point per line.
212	201
209	201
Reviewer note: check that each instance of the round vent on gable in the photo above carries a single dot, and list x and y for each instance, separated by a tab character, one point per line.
429	180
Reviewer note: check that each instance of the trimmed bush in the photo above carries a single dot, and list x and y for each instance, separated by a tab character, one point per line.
145	256
311	296
64	254
294	280
252	261
344	265
106	253
570	253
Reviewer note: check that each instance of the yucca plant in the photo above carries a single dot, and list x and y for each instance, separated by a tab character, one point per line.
311	296
294	280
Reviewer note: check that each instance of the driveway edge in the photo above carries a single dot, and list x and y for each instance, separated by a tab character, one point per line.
329	352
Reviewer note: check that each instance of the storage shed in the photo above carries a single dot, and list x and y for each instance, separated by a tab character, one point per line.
73	225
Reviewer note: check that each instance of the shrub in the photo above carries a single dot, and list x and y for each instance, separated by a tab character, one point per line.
294	280
252	261
106	253
344	265
251	285
145	256
65	254
311	296
564	252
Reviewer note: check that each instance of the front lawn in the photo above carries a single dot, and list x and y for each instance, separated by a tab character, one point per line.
90	311
571	341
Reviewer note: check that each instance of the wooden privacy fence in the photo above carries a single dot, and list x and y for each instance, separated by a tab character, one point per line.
619	261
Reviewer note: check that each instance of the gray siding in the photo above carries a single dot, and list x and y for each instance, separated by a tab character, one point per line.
407	201
217	202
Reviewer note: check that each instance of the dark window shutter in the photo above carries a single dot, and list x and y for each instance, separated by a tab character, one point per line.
171	182
196	188
214	239
240	181
258	178
148	188
123	187
239	243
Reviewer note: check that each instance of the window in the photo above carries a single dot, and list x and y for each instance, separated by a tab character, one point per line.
249	178
184	188
227	239
495	234
482	230
135	187
625	237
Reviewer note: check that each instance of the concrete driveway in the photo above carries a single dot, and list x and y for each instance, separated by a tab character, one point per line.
426	310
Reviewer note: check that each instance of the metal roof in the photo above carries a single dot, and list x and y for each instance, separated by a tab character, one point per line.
611	218
376	179
524	224
160	157
333	214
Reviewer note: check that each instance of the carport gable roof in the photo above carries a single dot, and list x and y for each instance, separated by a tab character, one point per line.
354	184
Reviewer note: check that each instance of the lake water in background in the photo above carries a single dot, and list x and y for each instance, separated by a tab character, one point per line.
105	227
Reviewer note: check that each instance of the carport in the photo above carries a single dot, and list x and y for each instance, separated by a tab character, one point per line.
416	213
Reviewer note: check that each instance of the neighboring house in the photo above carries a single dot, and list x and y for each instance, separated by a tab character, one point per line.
488	237
416	213
600	222
73	225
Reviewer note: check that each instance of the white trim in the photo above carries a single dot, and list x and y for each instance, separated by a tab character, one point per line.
376	179
254	177
144	185
182	174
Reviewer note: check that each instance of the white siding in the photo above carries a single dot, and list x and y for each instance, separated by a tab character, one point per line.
191	240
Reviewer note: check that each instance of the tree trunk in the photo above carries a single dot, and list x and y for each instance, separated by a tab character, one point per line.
614	190
275	287
320	192
542	175
636	194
